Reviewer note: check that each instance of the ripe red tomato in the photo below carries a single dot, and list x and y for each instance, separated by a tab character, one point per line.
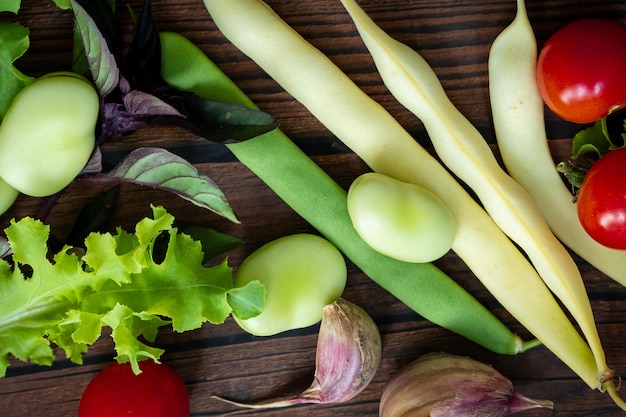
580	70
116	391
602	200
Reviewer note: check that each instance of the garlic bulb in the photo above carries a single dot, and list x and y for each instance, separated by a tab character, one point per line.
444	385
349	350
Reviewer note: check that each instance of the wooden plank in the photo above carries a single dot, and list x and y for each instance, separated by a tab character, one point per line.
454	36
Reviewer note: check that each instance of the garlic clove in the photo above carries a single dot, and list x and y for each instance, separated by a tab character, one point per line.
348	353
349	350
444	385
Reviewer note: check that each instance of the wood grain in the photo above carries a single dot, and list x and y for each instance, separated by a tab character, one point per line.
454	36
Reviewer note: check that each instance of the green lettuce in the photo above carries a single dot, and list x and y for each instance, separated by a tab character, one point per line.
66	299
14	42
12	6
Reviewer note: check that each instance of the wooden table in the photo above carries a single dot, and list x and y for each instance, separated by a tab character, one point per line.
454	36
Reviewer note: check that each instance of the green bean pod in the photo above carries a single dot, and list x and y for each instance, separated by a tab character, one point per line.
315	196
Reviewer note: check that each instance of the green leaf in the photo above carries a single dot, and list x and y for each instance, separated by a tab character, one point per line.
67	300
214	243
243	304
179	288
592	139
158	168
30	306
62	4
14	42
12	6
127	325
74	333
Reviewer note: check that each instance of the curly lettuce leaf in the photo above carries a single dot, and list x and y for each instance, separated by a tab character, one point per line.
12	6
62	4
67	300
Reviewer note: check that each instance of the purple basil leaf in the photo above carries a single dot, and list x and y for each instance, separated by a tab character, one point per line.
140	104
137	110
219	121
100	57
93	217
159	168
5	247
94	165
116	120
142	66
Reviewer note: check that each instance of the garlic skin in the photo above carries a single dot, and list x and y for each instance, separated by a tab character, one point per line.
349	350
445	385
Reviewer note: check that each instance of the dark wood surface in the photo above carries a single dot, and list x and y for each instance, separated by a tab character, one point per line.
454	36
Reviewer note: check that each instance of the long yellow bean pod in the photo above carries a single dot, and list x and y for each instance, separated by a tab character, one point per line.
519	124
466	153
373	134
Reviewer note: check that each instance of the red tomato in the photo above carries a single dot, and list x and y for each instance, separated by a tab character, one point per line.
581	69
602	200
157	391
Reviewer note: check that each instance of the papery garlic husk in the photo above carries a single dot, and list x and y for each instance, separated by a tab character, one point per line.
349	350
445	385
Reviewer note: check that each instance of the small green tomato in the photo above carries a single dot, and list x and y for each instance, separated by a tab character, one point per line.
400	220
8	195
302	273
48	133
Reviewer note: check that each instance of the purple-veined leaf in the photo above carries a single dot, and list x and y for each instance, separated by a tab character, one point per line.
140	104
5	247
142	64
101	59
220	121
159	168
94	165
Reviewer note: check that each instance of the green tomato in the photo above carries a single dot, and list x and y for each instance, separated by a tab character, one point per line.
302	273
8	195
48	133
400	220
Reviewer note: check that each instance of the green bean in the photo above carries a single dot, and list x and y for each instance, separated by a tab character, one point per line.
315	196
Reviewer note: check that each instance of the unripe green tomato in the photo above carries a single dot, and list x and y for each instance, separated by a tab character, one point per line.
48	133
302	273
8	195
400	220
